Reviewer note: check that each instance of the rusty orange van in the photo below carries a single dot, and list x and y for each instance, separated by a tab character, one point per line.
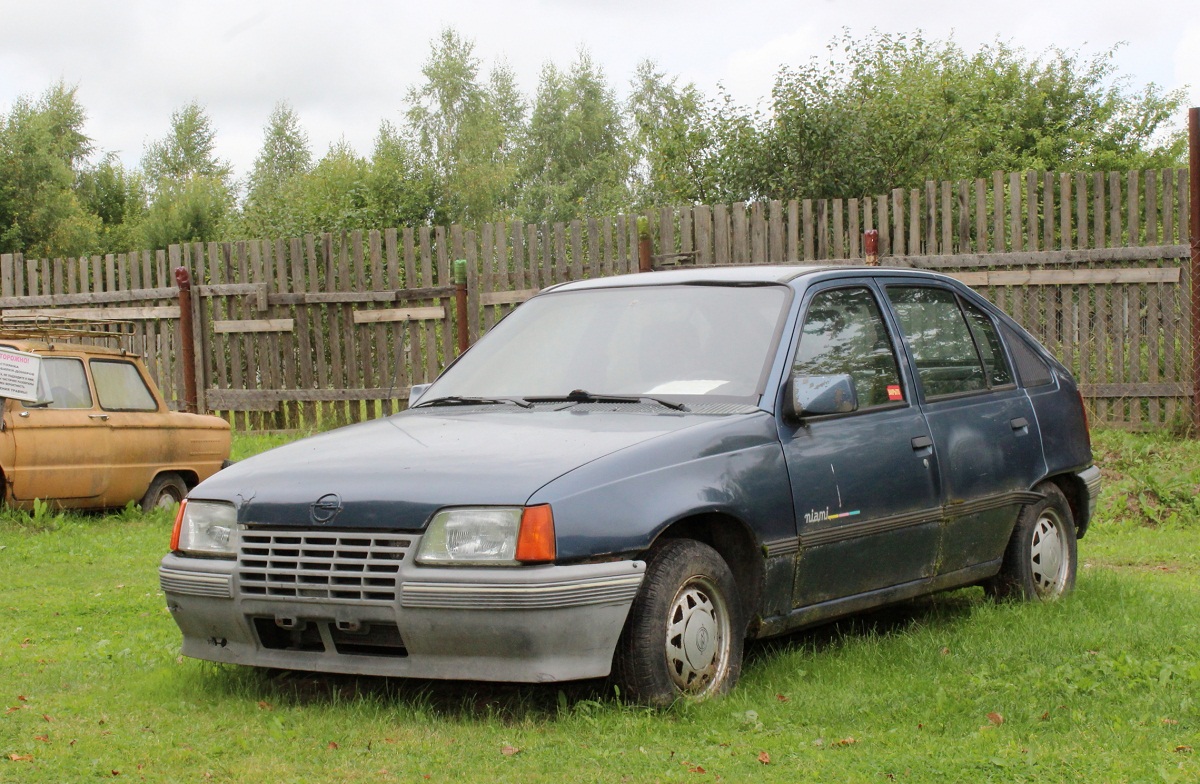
99	433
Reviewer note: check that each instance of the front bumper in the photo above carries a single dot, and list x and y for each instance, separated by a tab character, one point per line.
526	624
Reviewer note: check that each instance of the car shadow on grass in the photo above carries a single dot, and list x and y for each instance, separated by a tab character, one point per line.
518	702
450	699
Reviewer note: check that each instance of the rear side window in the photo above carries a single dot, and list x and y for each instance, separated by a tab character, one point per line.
844	333
1032	369
120	387
940	340
984	331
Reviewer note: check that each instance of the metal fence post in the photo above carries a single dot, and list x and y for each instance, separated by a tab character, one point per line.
1194	204
187	343
871	247
645	248
460	303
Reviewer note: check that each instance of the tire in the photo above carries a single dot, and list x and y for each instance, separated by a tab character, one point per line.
1040	561
685	632
165	491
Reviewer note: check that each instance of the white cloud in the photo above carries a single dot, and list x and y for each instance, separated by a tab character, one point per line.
749	74
1186	59
345	67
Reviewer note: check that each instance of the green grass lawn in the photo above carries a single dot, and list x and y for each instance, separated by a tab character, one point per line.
1103	686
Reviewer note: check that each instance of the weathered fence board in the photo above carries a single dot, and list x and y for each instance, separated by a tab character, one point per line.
341	325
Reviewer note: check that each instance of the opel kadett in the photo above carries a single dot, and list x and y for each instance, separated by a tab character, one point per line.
630	476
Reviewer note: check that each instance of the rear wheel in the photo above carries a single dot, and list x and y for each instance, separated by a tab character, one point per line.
685	632
1040	561
165	491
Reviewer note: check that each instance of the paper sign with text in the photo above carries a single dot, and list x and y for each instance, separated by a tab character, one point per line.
19	373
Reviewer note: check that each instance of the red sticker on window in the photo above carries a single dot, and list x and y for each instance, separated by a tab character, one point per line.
894	392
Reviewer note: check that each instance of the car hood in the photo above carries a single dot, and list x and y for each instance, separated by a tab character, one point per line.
394	473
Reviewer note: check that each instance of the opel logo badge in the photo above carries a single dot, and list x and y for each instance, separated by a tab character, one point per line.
325	508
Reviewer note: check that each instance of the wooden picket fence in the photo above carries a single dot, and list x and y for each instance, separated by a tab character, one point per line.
337	327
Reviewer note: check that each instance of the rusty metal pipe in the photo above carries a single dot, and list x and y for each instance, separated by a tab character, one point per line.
645	246
186	339
871	247
1194	191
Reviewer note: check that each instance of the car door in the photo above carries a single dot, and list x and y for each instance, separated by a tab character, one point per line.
982	423
62	449
864	483
140	444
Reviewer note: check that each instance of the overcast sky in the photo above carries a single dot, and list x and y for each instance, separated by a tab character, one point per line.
346	66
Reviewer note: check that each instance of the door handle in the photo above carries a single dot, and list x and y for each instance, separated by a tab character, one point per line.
1020	423
101	417
922	442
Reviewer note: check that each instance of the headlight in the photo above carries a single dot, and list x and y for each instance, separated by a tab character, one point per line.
489	536
480	535
206	528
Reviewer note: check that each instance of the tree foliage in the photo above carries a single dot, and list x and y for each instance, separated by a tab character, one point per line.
892	111
283	161
873	113
192	193
675	134
466	130
41	145
577	160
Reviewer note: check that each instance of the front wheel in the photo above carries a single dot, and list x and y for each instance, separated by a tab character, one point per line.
685	631
1041	557
165	491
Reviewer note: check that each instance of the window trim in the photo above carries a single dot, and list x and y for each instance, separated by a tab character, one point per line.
1012	374
899	350
93	398
959	300
118	361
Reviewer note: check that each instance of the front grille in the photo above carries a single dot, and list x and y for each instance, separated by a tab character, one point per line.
324	566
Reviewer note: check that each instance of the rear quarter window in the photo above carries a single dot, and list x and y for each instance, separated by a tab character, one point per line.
1032	370
120	387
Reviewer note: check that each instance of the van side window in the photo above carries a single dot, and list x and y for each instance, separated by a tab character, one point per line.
67	382
937	334
844	333
120	387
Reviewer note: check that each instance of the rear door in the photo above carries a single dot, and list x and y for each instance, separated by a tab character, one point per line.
983	425
864	484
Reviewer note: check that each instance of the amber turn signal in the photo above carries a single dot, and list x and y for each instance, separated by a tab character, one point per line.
178	526
535	542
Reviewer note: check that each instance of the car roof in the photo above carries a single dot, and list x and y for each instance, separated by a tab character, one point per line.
743	274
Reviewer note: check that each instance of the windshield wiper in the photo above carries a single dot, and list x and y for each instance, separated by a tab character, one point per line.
583	396
458	400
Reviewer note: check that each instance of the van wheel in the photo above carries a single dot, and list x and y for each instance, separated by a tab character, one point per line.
165	491
684	635
1040	561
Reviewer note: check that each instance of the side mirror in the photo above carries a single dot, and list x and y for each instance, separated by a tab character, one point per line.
415	392
817	395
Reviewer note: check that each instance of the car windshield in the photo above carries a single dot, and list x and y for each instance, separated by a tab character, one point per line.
660	341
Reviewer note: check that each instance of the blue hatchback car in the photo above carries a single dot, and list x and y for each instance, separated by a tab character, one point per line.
630	476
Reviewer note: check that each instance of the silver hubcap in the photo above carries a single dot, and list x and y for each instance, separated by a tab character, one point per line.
697	637
166	499
1048	556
